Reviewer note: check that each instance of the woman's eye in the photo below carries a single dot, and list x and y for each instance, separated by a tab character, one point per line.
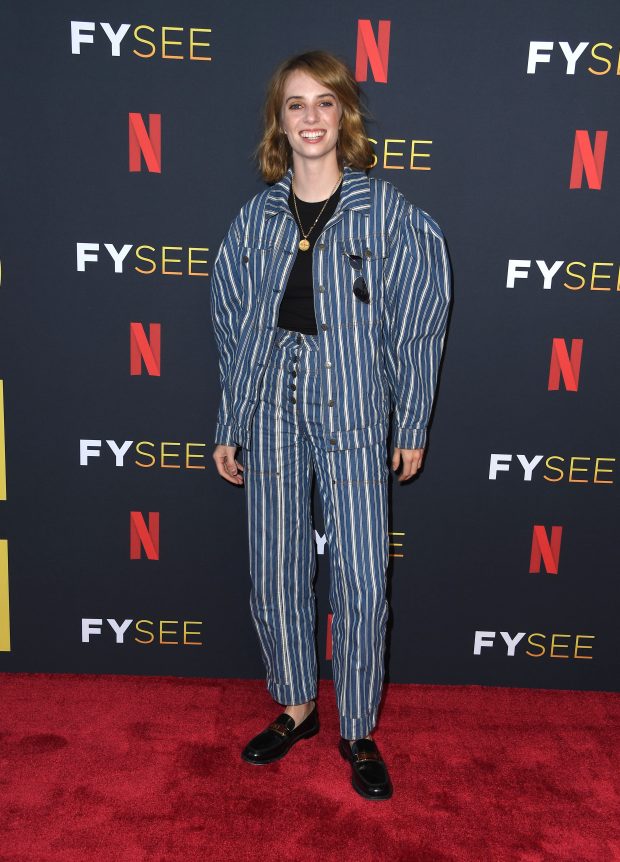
297	104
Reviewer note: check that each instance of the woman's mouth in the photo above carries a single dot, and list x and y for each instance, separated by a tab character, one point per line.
312	135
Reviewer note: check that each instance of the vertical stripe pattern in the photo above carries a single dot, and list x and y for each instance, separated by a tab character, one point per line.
319	405
286	451
375	356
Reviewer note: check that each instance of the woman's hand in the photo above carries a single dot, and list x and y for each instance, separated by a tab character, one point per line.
227	466
411	459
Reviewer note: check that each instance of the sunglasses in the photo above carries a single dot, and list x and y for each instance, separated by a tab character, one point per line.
360	289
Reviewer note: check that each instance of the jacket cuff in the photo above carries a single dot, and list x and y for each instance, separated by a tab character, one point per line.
224	435
409	438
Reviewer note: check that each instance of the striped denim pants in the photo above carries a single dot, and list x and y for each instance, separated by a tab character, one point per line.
287	446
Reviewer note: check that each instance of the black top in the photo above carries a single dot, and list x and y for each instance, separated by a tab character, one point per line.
297	307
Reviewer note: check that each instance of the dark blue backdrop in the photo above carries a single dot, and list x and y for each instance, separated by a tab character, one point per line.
500	147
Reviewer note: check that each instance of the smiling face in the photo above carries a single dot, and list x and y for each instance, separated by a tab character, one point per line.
310	117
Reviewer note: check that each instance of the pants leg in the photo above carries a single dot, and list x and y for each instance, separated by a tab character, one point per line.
352	485
277	480
287	443
353	489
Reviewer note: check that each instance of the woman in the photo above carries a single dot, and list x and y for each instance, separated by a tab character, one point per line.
329	301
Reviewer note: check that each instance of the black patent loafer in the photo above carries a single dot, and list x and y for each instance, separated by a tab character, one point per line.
275	741
369	773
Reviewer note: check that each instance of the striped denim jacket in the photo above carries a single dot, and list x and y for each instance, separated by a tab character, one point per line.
377	356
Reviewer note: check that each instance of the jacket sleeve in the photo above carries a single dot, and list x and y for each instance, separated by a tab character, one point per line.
417	303
226	300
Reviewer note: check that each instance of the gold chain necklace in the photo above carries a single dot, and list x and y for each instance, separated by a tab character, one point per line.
304	245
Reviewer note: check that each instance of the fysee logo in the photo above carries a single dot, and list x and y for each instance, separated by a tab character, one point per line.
555	649
596	276
165	260
321	543
160	632
166	42
166	454
571	469
545	52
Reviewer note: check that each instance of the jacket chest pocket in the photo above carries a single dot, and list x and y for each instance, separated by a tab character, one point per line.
360	262
254	268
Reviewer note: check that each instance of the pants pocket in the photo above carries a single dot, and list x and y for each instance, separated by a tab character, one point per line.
364	465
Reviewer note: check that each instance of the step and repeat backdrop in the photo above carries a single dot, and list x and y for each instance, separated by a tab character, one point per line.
127	150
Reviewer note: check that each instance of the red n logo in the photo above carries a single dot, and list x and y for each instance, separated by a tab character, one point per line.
373	51
545	549
141	536
562	364
146	349
146	143
588	161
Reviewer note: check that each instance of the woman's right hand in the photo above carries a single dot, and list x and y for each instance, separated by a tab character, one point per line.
227	466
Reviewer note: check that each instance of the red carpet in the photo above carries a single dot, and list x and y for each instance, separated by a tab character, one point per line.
144	769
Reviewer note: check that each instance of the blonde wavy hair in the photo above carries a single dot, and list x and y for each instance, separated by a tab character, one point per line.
274	153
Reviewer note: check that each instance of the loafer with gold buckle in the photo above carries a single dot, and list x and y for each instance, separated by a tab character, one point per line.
275	741
370	776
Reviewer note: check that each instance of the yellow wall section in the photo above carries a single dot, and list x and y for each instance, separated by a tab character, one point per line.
5	628
2	458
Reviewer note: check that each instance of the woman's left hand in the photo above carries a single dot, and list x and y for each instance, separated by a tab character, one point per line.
411	461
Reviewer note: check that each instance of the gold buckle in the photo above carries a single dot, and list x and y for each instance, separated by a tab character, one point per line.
278	728
367	755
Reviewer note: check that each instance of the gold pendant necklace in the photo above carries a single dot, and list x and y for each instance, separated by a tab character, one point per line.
304	243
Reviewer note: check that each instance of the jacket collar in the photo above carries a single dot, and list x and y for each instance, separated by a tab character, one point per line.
354	194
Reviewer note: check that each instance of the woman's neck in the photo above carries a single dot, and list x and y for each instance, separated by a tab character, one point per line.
315	181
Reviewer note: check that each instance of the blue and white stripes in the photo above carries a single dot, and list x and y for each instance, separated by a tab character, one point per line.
286	451
373	356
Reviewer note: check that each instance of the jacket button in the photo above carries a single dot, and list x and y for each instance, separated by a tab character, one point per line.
330	403
321	246
321	288
324	327
332	441
368	253
328	365
245	258
293	386
293	399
